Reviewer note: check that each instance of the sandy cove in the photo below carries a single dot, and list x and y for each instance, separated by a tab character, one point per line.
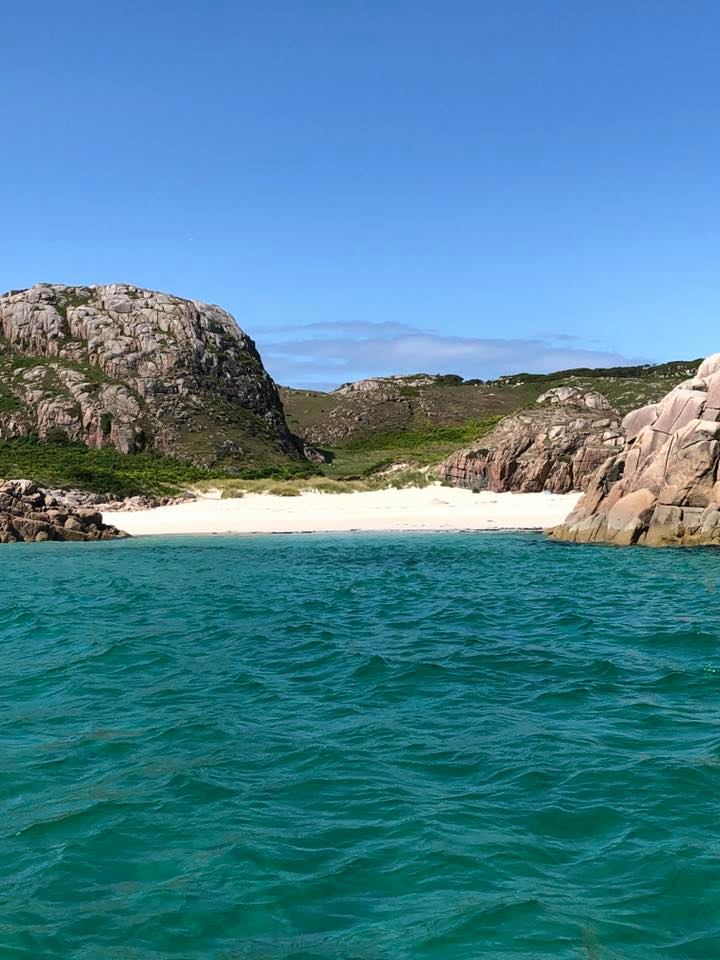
430	508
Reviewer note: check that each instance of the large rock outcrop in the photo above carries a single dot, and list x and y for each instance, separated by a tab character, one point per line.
556	446
29	513
131	368
663	487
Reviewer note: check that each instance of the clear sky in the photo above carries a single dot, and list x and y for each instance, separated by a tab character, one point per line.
377	186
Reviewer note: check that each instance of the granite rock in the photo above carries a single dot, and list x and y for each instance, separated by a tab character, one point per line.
555	446
29	513
662	487
124	367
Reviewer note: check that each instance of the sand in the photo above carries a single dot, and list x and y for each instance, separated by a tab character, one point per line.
431	508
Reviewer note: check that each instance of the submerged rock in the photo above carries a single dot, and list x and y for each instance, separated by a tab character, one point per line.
662	487
29	513
556	446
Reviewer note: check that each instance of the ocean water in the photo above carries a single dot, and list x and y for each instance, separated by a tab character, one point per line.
359	747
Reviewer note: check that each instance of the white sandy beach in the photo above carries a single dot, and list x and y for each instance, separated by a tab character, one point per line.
431	508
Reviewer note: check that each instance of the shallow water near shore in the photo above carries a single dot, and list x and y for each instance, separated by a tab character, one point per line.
359	747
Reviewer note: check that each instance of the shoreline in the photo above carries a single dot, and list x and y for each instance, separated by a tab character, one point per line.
430	509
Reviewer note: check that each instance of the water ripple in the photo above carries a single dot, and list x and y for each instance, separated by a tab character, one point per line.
358	748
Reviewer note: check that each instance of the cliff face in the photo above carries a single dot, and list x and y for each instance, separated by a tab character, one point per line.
131	368
663	486
556	446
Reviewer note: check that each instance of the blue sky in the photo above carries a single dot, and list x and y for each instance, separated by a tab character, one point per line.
379	186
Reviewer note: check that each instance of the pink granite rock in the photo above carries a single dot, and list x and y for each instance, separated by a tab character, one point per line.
555	446
662	486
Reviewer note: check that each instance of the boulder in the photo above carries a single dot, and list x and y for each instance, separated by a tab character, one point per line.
637	420
679	407
575	397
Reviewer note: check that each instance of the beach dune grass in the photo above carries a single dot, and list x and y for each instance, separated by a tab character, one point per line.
399	479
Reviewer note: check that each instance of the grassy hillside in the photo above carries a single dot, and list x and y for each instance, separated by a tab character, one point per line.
420	446
627	388
420	419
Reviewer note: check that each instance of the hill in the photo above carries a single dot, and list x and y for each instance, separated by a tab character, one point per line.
119	370
423	417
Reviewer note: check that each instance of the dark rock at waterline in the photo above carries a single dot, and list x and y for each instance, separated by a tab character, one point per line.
28	513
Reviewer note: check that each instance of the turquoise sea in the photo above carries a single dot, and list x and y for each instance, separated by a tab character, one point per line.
359	747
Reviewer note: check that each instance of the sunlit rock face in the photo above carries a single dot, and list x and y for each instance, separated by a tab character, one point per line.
662	487
130	368
555	446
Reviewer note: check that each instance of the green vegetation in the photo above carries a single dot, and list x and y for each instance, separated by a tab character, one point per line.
9	403
418	423
420	438
220	432
320	484
80	298
101	471
380	442
645	371
444	403
120	474
14	363
408	416
420	447
627	388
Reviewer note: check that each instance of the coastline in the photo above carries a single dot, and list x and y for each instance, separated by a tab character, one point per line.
432	508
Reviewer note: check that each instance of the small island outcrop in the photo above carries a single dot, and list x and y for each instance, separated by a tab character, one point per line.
662	488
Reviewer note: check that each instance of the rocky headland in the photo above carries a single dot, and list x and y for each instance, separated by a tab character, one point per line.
556	446
124	367
662	487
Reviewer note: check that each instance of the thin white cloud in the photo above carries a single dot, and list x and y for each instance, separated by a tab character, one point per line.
323	355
